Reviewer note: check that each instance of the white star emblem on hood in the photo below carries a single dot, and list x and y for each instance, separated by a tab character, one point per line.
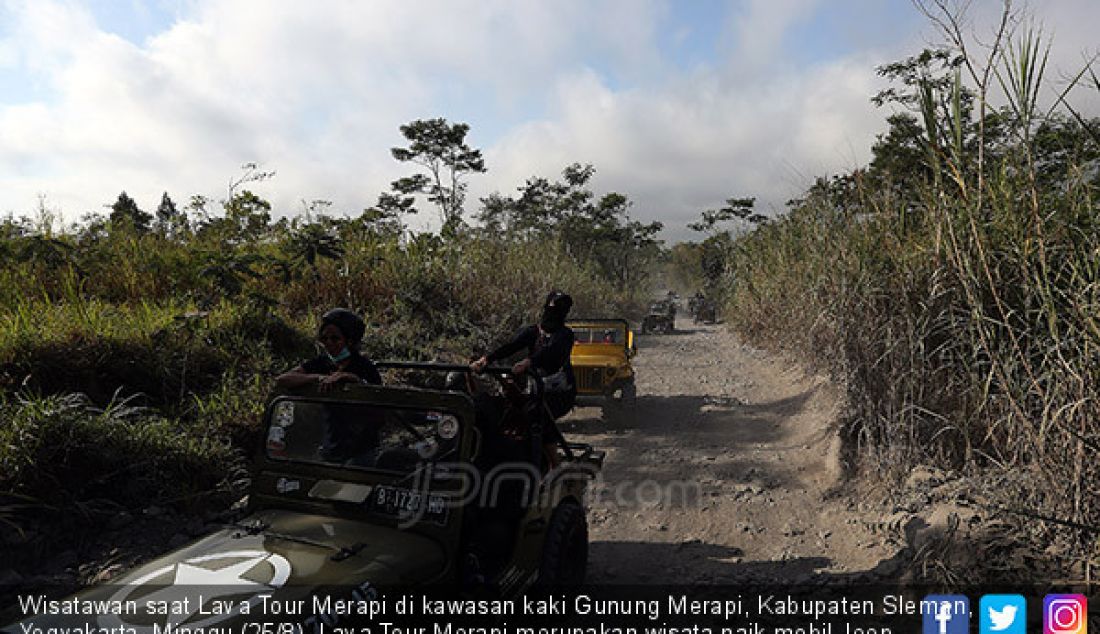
190	580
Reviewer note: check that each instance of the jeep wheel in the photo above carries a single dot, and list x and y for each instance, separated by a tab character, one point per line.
565	552
629	394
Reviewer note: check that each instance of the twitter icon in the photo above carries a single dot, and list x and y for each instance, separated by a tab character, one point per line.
1002	614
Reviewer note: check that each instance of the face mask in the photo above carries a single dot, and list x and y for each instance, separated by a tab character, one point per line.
339	356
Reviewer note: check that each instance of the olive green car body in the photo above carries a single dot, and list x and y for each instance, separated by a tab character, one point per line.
311	528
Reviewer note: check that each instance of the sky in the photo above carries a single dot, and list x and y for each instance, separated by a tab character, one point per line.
678	104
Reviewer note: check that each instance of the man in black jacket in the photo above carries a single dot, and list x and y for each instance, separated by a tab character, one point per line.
549	345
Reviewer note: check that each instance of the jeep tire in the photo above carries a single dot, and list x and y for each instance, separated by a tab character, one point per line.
629	393
565	551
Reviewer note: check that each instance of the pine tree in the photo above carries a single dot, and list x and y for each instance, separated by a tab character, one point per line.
126	216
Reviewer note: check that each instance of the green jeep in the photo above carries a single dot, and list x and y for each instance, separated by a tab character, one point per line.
602	351
366	488
661	317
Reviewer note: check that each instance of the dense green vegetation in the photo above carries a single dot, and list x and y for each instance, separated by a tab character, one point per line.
952	284
136	348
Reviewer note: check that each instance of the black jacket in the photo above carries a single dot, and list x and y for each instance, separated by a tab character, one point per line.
358	365
549	352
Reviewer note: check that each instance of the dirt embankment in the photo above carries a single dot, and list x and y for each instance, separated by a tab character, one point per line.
726	470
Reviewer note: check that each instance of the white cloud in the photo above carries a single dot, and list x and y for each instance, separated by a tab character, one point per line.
318	95
688	147
758	32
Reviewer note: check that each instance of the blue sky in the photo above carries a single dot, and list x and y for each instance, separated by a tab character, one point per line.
679	105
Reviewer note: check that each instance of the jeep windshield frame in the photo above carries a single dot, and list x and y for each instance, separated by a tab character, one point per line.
595	328
359	435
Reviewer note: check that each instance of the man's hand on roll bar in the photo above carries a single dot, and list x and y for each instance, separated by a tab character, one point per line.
479	365
521	368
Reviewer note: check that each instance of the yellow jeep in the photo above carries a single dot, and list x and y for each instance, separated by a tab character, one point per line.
601	358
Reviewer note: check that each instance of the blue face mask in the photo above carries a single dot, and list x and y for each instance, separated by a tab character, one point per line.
339	356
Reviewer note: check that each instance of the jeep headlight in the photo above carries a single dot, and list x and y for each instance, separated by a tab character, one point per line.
610	373
284	414
447	427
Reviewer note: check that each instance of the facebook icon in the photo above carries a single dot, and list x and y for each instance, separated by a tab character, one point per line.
945	614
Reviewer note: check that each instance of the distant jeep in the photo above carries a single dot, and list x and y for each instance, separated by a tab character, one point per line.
661	317
704	312
601	358
366	488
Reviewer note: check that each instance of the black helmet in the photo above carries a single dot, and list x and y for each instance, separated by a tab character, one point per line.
554	310
348	323
558	302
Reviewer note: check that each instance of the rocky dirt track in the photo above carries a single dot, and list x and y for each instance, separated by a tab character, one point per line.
726	470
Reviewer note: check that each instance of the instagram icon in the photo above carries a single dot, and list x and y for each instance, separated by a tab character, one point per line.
1064	614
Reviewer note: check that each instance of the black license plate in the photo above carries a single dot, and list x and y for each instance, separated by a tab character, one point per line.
407	503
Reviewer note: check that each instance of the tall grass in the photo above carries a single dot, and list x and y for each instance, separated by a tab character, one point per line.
60	455
963	317
133	368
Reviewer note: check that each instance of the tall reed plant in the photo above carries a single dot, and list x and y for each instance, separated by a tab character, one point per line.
961	315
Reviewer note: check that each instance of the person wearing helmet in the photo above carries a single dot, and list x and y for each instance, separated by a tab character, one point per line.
339	334
549	344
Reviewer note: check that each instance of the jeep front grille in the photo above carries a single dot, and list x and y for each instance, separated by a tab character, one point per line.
589	379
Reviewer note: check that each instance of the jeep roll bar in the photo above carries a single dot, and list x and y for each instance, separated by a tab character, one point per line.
628	342
617	320
498	371
436	367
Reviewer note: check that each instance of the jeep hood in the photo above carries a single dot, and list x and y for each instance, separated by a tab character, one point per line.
296	556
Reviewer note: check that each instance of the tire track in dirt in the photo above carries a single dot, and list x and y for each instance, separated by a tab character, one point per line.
725	471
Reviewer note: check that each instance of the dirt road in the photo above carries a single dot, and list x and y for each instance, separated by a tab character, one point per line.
725	471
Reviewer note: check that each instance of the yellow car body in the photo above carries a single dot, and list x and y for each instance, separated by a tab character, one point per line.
602	350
